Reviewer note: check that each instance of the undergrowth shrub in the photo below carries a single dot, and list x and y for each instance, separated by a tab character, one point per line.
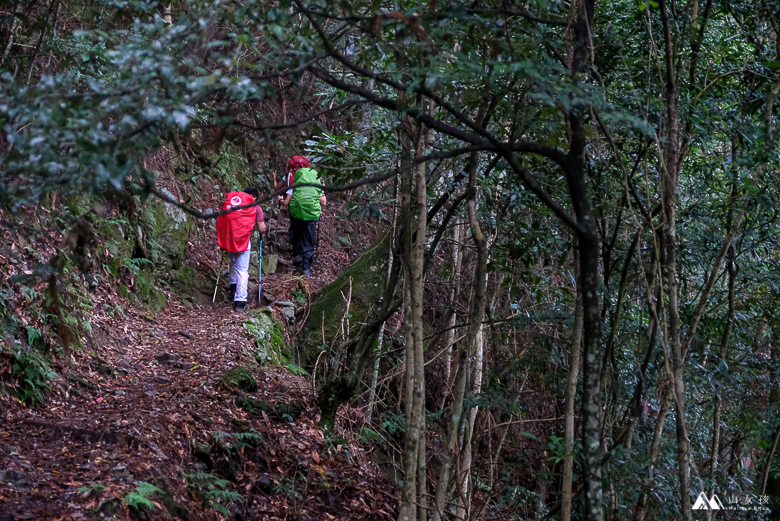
139	499
25	372
212	490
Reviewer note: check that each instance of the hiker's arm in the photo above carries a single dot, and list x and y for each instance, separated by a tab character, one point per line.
323	200
286	200
259	219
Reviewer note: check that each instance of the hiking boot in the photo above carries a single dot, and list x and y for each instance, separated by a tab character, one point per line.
307	273
297	261
239	305
232	291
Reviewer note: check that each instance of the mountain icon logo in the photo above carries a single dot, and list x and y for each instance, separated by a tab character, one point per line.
702	503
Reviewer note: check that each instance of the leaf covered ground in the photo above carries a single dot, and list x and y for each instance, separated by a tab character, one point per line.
154	408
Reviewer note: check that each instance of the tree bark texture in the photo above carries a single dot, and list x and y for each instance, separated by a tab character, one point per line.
414	496
570	397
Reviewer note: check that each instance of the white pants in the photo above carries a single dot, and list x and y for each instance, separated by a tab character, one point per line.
239	273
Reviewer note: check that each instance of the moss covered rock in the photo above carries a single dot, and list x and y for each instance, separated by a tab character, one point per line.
368	275
253	406
239	378
189	283
280	411
148	293
119	241
268	335
167	233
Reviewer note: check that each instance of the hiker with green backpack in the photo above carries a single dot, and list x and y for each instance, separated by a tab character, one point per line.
305	205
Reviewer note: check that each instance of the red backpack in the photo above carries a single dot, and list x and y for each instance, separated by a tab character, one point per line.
235	228
295	164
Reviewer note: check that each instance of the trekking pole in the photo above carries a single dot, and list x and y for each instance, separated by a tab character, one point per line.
219	272
260	272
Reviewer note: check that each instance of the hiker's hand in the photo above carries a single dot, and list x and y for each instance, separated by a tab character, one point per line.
323	200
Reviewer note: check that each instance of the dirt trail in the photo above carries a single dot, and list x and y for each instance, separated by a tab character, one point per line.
149	407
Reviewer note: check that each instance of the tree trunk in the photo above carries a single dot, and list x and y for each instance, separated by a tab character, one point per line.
415	484
375	369
724	344
670	175
588	240
476	316
476	388
643	505
571	393
455	280
408	508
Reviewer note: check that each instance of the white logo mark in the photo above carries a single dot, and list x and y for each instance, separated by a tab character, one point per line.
702	503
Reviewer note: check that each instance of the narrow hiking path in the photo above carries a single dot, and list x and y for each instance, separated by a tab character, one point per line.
151	407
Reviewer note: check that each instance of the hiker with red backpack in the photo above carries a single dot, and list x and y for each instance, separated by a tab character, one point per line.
305	205
234	231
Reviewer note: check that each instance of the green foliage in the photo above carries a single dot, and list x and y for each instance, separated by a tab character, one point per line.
239	378
213	491
30	372
392	423
93	489
140	498
368	435
237	440
287	487
296	369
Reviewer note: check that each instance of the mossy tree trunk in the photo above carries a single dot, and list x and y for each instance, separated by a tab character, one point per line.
340	388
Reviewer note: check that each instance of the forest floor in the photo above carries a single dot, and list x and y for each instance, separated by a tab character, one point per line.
146	427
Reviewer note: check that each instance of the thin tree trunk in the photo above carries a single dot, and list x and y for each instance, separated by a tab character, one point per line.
451	330
375	369
415	484
571	393
375	375
476	388
588	240
724	343
418	290
408	506
774	402
15	24
476	316
671	168
643	505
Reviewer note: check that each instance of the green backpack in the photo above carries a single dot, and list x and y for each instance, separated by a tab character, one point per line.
305	202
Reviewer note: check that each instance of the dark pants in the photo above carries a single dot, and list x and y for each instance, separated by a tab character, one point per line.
302	235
